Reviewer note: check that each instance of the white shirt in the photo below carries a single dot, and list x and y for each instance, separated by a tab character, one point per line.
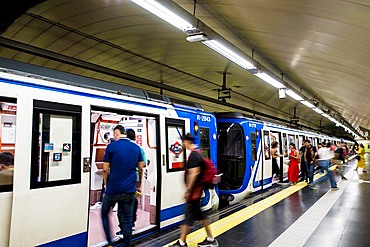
325	153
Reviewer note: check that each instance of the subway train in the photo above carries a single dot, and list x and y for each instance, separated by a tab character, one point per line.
57	126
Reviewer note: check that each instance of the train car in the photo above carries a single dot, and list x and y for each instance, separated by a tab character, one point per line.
244	154
57	126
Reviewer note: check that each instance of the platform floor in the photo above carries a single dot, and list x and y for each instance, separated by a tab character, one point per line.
291	216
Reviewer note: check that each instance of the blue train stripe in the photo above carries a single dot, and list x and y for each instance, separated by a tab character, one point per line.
77	240
178	210
67	91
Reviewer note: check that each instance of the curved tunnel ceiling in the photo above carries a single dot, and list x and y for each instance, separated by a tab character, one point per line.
322	46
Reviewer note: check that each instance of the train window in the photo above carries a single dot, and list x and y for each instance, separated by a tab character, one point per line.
302	138
204	142
254	145
56	144
285	145
231	155
230	140
175	151
8	111
297	142
266	141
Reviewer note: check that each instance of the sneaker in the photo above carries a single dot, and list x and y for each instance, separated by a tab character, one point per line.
207	243
312	187
334	188
97	205
119	234
177	244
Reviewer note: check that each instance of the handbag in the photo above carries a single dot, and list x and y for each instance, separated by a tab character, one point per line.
358	157
287	162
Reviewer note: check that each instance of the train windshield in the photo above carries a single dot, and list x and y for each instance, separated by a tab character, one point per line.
231	155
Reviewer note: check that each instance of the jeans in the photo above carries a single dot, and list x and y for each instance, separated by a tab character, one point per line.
125	207
311	170
325	165
134	216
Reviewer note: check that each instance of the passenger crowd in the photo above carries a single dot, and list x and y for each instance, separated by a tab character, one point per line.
323	156
122	178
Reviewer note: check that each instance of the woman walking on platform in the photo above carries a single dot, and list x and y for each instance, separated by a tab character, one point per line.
361	160
293	170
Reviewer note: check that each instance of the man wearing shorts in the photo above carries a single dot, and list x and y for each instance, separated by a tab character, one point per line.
193	194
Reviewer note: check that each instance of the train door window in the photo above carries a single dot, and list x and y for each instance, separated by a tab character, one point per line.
254	145
8	111
175	151
231	155
204	142
302	138
293	139
267	145
56	144
285	145
298	145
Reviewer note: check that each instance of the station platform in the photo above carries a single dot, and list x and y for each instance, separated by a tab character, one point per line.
291	216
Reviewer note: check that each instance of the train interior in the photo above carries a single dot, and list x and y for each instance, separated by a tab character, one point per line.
145	127
7	128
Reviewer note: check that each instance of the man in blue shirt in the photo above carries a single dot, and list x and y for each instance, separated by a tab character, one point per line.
121	159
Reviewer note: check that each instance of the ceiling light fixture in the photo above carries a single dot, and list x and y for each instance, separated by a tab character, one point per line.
229	54
308	104
294	95
165	14
270	80
318	110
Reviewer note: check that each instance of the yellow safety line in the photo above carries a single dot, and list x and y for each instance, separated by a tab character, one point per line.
225	224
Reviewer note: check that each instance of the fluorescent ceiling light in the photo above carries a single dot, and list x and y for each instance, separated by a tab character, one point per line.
270	80
318	110
325	115
229	54
165	14
306	103
294	95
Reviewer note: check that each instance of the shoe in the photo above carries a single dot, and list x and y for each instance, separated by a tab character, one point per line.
334	188
97	205
364	171
312	187
119	234
177	244
344	178
207	243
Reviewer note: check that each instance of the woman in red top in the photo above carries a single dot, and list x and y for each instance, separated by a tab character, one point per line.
293	170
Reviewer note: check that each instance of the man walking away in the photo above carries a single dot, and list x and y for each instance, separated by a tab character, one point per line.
121	159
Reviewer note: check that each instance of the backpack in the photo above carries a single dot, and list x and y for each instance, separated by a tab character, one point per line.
209	174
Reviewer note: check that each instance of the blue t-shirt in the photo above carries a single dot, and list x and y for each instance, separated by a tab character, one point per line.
123	156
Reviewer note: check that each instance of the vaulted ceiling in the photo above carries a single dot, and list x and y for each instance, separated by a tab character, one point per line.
320	48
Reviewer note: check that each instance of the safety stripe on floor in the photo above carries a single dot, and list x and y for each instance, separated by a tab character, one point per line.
302	229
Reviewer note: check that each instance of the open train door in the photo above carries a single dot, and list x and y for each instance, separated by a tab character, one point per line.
50	195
